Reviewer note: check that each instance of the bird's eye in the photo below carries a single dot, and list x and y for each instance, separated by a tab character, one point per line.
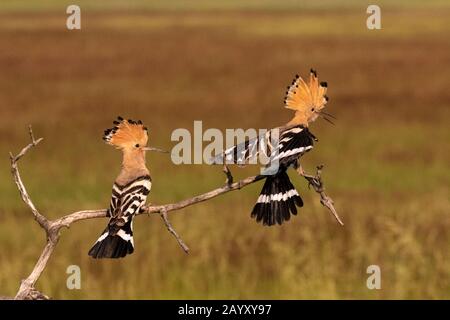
312	109
137	145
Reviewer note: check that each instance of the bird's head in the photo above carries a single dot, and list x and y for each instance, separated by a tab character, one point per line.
308	99
129	136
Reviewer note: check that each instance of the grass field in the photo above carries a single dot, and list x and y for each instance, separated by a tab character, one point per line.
386	159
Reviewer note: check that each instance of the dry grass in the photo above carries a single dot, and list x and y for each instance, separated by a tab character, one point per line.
386	161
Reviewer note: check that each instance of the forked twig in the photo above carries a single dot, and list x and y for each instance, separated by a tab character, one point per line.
180	241
317	183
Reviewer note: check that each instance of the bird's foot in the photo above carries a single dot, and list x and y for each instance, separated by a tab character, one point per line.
229	180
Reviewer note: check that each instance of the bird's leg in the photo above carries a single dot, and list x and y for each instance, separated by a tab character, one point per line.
144	208
317	183
299	168
314	181
227	172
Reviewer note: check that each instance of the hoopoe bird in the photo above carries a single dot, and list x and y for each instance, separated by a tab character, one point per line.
129	191
279	198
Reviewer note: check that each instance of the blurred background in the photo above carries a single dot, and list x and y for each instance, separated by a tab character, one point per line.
228	63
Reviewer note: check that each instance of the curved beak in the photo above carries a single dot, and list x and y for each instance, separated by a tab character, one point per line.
154	149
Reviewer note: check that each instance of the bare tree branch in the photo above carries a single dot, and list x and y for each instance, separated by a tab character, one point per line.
172	231
317	183
43	222
53	227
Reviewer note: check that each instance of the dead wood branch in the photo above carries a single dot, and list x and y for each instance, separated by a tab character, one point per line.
317	183
52	227
173	232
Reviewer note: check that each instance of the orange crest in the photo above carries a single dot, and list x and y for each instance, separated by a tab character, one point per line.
307	99
126	134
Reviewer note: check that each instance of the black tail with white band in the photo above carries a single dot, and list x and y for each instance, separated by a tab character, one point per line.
127	200
116	241
277	201
279	198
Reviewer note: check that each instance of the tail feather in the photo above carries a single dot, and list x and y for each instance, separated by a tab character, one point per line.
115	242
277	201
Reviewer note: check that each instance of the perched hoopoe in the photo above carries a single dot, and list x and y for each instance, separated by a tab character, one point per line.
130	189
279	198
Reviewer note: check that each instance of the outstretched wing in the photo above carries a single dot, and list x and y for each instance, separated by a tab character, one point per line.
243	153
292	143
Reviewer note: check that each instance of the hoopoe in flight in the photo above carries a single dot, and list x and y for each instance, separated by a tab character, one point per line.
129	191
279	198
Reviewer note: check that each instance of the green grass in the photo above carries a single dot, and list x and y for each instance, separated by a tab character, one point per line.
386	165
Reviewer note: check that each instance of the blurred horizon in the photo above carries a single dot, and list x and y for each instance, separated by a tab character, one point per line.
193	5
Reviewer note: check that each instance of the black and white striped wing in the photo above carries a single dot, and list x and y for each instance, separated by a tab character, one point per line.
116	240
241	154
127	200
294	142
284	146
